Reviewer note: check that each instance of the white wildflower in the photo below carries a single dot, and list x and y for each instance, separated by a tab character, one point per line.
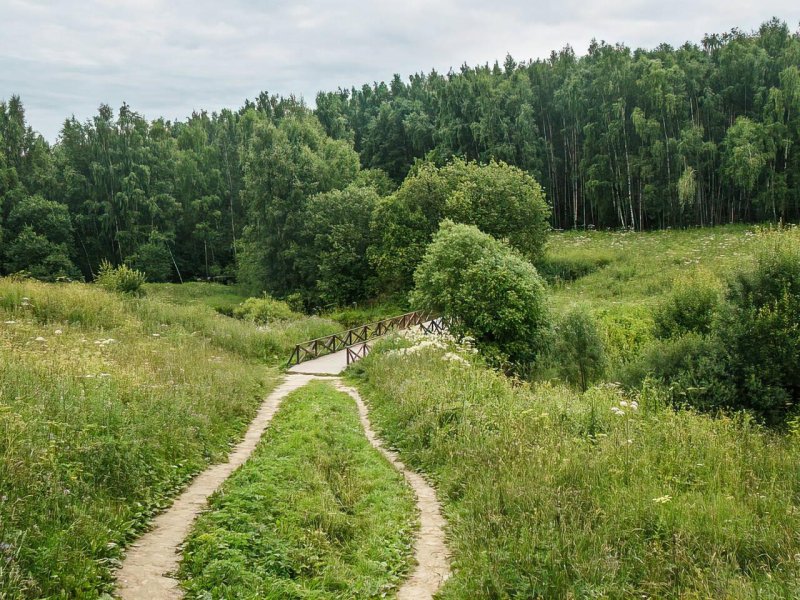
453	357
662	499
40	339
623	404
635	405
618	411
58	332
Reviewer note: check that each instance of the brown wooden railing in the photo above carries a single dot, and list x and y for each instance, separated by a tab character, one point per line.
357	351
357	335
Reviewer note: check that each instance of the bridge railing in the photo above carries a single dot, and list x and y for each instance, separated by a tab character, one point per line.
357	335
430	327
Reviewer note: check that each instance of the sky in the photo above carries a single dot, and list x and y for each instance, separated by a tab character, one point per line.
170	57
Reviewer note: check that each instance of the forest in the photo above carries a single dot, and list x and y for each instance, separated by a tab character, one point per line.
287	198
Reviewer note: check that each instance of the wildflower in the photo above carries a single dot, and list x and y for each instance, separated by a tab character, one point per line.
58	332
618	411
634	405
453	357
156	335
662	499
40	339
10	322
623	403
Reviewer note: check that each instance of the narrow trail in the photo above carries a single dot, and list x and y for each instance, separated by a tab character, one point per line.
430	549
149	565
150	561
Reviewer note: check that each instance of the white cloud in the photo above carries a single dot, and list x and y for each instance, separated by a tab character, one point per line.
166	58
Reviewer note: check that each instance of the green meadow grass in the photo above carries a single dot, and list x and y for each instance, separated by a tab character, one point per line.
621	277
550	494
316	512
623	269
222	298
108	405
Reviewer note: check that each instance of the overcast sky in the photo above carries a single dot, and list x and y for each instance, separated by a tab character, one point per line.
169	57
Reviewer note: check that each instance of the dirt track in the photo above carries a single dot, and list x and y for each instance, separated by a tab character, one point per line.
146	572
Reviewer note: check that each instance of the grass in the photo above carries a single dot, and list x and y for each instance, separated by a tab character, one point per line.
108	405
222	298
621	277
626	269
315	513
361	315
555	495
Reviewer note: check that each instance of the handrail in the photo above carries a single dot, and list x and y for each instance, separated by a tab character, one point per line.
357	335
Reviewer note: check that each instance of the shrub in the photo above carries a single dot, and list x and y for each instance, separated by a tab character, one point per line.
264	310
121	279
154	259
557	269
491	293
691	306
759	333
680	360
579	348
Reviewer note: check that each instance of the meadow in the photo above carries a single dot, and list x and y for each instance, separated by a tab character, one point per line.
108	406
616	492
550	493
622	277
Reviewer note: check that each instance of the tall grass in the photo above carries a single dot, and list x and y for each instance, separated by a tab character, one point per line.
622	277
555	495
315	513
107	406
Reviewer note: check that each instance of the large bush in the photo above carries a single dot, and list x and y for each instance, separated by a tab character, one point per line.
264	310
39	239
498	199
121	279
759	333
488	290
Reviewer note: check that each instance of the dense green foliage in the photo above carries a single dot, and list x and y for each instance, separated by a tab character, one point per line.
578	348
120	279
264	310
315	513
487	290
690	307
552	494
701	134
500	200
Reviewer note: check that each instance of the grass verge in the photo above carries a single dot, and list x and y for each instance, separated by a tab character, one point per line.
555	495
316	512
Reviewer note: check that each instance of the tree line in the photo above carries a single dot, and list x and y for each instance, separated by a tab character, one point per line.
340	201
697	135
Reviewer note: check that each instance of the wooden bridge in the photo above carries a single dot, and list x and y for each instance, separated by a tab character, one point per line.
355	341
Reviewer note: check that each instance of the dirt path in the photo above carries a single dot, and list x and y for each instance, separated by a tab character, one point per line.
149	562
146	572
430	550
